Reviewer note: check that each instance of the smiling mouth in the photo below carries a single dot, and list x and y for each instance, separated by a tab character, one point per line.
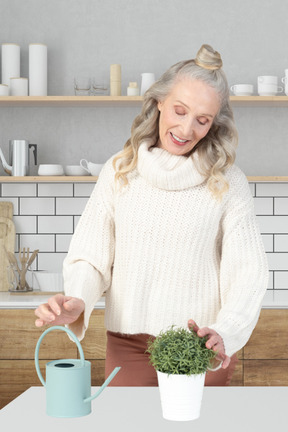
178	140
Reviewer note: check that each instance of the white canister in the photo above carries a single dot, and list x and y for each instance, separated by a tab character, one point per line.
133	89
147	80
19	86
10	62
4	90
37	70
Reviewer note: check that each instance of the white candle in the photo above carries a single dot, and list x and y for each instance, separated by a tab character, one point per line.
37	70
19	86
10	62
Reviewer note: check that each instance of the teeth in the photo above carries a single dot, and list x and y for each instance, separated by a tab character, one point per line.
178	139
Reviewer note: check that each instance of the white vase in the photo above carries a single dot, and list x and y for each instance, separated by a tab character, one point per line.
181	396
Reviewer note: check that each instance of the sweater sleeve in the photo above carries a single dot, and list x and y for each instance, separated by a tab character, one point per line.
87	268
243	268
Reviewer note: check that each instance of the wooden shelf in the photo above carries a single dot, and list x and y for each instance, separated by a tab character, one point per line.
109	101
69	101
259	101
93	179
48	179
267	178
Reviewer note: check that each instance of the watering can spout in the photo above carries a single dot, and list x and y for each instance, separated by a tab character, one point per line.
6	166
111	376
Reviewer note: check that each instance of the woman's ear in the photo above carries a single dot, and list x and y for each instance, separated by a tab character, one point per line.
159	105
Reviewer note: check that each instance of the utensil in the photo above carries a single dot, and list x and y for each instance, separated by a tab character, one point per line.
13	261
19	157
23	256
68	382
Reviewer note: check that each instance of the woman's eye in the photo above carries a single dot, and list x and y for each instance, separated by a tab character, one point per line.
202	122
180	112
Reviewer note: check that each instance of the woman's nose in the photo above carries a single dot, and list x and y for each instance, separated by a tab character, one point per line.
187	128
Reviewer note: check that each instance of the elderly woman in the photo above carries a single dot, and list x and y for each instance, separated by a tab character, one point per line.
169	231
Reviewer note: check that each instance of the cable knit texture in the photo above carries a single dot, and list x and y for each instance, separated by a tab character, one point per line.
166	251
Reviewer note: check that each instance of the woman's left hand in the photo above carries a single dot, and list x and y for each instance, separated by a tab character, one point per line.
214	341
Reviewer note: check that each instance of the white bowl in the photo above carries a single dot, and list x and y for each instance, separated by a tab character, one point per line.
46	281
75	170
50	170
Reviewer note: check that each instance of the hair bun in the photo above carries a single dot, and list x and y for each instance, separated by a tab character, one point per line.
208	58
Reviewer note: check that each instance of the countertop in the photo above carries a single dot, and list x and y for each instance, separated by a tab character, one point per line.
138	409
32	301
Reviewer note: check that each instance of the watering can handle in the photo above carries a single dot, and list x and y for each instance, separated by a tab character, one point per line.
71	334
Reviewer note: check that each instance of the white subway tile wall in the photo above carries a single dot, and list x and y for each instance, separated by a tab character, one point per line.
46	215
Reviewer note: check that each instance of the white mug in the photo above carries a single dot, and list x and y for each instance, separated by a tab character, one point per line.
269	89
91	168
147	80
268	79
242	89
4	90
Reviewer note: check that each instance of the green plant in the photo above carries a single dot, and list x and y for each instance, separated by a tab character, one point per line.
180	351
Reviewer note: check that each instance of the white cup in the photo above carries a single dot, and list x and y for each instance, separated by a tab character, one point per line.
147	80
269	89
19	86
267	79
4	90
91	168
242	89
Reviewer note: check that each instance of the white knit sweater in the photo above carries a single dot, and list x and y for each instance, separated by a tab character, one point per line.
166	251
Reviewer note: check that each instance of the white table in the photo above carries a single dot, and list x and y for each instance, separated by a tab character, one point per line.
137	409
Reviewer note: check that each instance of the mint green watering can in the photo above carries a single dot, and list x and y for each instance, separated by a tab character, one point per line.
68	382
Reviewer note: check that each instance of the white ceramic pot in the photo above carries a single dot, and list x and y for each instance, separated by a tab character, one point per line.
181	396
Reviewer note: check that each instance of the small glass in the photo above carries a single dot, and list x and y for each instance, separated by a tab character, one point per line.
14	280
99	86
82	86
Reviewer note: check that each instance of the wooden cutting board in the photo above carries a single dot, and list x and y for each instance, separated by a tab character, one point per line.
6	209
7	240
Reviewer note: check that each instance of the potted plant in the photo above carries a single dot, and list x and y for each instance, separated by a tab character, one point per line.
181	360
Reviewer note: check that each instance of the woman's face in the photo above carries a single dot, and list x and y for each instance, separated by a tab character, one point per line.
186	115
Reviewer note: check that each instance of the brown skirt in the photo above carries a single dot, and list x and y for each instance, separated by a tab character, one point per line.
128	351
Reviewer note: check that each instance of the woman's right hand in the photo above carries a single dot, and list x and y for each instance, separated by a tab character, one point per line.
59	310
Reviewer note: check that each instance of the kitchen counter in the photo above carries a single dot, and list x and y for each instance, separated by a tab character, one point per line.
139	409
33	300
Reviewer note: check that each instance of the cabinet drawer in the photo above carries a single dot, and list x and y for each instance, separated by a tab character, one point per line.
19	337
269	339
266	373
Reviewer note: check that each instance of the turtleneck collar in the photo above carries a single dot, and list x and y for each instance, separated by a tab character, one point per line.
167	171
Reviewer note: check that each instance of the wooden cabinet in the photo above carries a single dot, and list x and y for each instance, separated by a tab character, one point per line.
265	356
262	362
